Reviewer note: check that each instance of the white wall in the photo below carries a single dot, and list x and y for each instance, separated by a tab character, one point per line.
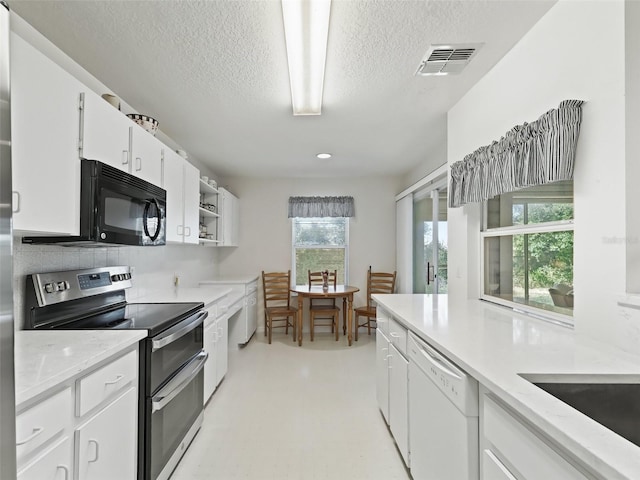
576	51
265	230
154	267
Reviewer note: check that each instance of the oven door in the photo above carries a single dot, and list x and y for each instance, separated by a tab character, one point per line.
119	208
168	351
174	416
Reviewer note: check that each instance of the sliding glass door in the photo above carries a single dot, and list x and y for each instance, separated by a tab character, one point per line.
430	240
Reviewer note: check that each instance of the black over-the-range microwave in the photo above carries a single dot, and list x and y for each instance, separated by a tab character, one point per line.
116	208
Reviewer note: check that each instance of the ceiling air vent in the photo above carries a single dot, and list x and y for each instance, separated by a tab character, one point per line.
447	59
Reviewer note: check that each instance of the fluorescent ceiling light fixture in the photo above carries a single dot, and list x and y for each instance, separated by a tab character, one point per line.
306	28
323	155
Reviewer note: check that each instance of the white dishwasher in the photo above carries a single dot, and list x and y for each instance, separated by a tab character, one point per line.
443	416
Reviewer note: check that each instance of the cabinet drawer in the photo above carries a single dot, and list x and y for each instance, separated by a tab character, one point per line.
530	456
96	387
398	336
53	465
493	469
41	423
251	287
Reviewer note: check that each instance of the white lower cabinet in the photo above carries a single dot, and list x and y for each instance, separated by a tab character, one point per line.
106	445
85	428
216	345
399	401
392	371
53	465
382	373
514	451
222	348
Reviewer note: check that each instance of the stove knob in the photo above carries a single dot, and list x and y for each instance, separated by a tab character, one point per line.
127	276
121	277
62	286
114	278
50	288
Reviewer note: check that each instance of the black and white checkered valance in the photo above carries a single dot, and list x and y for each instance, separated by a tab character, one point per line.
531	154
321	207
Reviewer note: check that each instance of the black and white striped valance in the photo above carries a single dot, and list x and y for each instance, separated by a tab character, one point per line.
321	207
531	154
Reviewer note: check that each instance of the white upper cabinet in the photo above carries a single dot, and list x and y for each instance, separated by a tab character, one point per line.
44	135
181	184
104	132
229	210
146	155
191	203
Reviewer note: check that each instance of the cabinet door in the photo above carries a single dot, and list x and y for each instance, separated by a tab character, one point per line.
382	373
252	315
191	203
229	209
174	185
44	134
54	465
210	344
222	348
398	401
105	132
146	155
106	445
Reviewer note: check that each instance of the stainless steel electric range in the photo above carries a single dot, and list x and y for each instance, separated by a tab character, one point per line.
171	357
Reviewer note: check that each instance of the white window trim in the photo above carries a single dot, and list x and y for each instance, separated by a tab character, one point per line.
345	247
547	227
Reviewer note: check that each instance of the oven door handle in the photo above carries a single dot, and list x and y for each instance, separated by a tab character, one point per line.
177	331
179	382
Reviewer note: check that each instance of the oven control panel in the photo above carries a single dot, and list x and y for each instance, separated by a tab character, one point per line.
55	287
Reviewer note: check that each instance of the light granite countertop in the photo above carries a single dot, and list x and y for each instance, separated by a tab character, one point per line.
230	279
208	294
495	345
47	358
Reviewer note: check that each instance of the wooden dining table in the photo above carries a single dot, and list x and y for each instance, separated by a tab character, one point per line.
317	291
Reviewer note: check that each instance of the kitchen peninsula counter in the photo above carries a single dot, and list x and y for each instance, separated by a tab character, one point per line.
496	345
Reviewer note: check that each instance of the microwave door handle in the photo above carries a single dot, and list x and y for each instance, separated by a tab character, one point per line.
145	219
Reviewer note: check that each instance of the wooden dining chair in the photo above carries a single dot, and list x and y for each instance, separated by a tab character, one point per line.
377	282
277	302
323	308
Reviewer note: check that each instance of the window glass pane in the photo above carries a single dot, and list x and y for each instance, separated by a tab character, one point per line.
531	269
546	203
318	259
320	231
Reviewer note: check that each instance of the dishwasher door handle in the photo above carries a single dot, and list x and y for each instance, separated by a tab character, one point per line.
440	364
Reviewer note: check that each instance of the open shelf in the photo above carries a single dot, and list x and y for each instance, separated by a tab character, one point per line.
207	213
206	188
206	241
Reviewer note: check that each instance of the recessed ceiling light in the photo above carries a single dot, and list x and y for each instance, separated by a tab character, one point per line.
323	155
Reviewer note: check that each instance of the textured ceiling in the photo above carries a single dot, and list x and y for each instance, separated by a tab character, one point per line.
214	74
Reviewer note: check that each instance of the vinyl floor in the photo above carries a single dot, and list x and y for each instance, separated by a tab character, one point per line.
287	412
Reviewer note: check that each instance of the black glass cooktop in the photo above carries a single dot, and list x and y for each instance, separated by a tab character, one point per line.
154	317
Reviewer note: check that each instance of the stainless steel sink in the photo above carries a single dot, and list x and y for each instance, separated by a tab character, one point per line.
612	401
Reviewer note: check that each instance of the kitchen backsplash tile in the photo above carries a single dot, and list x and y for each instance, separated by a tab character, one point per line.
153	267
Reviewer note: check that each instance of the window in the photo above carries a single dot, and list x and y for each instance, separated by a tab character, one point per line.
528	249
320	244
